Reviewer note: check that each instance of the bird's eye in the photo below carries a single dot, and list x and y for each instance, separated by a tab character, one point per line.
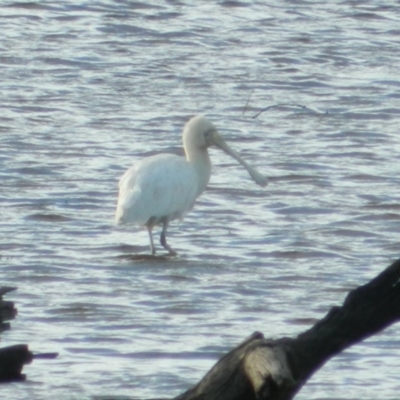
208	136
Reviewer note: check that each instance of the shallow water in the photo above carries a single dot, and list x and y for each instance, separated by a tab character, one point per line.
88	88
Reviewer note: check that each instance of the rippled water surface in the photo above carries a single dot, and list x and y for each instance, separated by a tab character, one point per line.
88	88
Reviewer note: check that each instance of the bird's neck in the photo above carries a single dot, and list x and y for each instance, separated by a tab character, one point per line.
200	160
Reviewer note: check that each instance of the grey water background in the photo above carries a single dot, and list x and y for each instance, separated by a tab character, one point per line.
88	88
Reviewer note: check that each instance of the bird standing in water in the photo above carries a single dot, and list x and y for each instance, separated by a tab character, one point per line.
164	187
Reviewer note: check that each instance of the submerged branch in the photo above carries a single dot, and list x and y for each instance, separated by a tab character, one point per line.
288	105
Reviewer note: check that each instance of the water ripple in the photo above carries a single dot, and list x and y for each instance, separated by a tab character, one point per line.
307	91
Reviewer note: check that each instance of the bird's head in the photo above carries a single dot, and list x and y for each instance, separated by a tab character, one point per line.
200	133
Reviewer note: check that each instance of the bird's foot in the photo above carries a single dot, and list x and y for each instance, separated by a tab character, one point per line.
172	252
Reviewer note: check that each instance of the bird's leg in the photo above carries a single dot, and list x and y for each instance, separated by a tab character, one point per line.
163	239
153	249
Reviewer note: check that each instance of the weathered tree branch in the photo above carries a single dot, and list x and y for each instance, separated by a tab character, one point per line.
262	369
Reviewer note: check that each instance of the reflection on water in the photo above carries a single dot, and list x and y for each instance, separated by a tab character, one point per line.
87	89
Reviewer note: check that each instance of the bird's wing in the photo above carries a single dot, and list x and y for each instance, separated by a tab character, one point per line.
160	186
127	192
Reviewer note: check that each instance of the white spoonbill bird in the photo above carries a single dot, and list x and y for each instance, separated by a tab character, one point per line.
164	187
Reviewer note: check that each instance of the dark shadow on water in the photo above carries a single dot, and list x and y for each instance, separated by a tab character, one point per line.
127	248
140	253
47	217
146	257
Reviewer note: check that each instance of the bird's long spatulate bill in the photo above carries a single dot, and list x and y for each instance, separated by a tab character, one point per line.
257	176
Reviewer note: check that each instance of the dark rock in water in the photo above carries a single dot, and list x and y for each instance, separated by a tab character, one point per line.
7	309
13	358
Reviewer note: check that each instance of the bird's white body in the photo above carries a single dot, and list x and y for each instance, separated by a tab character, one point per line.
160	186
165	187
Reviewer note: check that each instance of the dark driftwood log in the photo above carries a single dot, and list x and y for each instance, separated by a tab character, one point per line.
12	360
261	369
